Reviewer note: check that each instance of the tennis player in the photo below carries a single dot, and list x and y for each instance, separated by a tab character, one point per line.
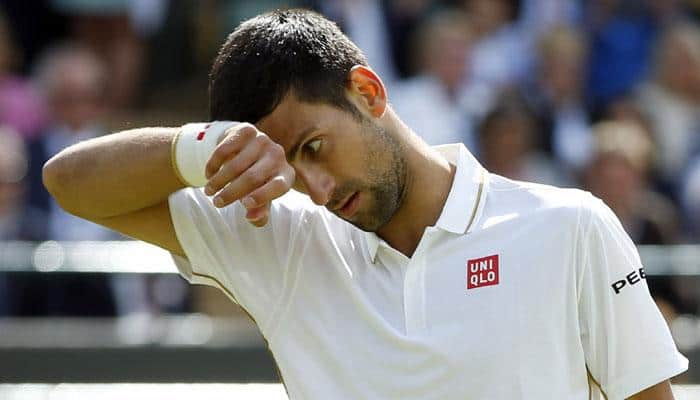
393	270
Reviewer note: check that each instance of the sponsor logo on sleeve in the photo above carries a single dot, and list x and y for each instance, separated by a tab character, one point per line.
482	272
632	278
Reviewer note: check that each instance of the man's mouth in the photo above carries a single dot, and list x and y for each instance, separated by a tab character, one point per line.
349	207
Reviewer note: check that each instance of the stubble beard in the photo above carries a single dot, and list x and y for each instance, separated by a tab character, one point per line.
386	179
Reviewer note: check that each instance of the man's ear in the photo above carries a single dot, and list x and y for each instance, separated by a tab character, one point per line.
366	87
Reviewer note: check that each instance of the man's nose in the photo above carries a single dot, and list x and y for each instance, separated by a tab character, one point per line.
317	184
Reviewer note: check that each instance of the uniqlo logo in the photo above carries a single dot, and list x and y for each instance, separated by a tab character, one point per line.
482	272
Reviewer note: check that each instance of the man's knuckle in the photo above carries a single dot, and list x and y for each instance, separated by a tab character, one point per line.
245	133
287	175
279	183
247	128
277	151
290	173
264	141
255	178
221	151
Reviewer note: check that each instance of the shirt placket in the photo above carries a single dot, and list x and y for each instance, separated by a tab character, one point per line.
414	287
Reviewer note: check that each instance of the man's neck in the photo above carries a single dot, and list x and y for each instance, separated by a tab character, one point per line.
428	183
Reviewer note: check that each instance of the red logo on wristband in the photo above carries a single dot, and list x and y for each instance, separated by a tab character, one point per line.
203	132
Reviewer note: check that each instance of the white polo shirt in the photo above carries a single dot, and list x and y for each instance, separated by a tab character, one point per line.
519	291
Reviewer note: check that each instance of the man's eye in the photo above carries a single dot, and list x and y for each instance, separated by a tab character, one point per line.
314	145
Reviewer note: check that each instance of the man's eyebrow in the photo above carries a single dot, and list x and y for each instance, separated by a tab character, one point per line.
301	137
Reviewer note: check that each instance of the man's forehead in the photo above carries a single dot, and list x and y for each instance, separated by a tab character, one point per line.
286	122
293	119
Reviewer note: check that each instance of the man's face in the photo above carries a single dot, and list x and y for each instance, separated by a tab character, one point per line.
354	168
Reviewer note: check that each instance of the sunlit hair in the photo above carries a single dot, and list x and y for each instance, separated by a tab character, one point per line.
276	53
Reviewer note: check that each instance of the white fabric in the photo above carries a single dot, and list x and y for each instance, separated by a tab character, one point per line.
195	145
348	317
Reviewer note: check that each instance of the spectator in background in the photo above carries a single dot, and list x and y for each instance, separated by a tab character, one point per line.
618	173
403	17
107	28
558	96
73	81
13	169
364	21
690	200
507	140
431	101
671	99
622	35
539	16
500	55
21	107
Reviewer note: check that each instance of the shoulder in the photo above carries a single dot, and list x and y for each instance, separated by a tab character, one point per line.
528	197
544	206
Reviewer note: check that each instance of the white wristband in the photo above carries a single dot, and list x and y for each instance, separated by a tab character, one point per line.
192	148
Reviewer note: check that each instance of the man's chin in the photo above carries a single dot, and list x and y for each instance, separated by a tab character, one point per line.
362	222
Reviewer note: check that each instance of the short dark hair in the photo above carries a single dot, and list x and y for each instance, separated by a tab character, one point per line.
267	56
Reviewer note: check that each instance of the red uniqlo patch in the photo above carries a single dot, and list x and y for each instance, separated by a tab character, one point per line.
482	272
200	136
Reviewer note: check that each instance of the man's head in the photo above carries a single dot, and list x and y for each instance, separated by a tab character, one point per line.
308	87
274	53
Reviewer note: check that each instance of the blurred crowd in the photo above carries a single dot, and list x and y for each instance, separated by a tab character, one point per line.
600	94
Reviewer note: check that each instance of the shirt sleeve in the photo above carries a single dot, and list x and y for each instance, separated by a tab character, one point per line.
627	344
250	264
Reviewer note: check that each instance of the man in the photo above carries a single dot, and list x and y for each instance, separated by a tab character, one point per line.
422	277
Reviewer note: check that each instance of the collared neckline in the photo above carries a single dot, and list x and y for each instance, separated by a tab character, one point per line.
466	199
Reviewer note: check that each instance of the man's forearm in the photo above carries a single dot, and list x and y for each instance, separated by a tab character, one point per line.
114	174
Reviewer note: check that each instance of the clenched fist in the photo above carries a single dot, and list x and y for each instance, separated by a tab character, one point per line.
248	166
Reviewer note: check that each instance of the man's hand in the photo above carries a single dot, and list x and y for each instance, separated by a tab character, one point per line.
248	166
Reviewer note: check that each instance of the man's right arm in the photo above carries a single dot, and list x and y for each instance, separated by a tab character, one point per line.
121	181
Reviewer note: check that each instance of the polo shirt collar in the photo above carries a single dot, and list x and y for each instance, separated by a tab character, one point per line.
466	199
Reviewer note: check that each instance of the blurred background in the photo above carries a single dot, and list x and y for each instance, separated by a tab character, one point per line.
602	95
